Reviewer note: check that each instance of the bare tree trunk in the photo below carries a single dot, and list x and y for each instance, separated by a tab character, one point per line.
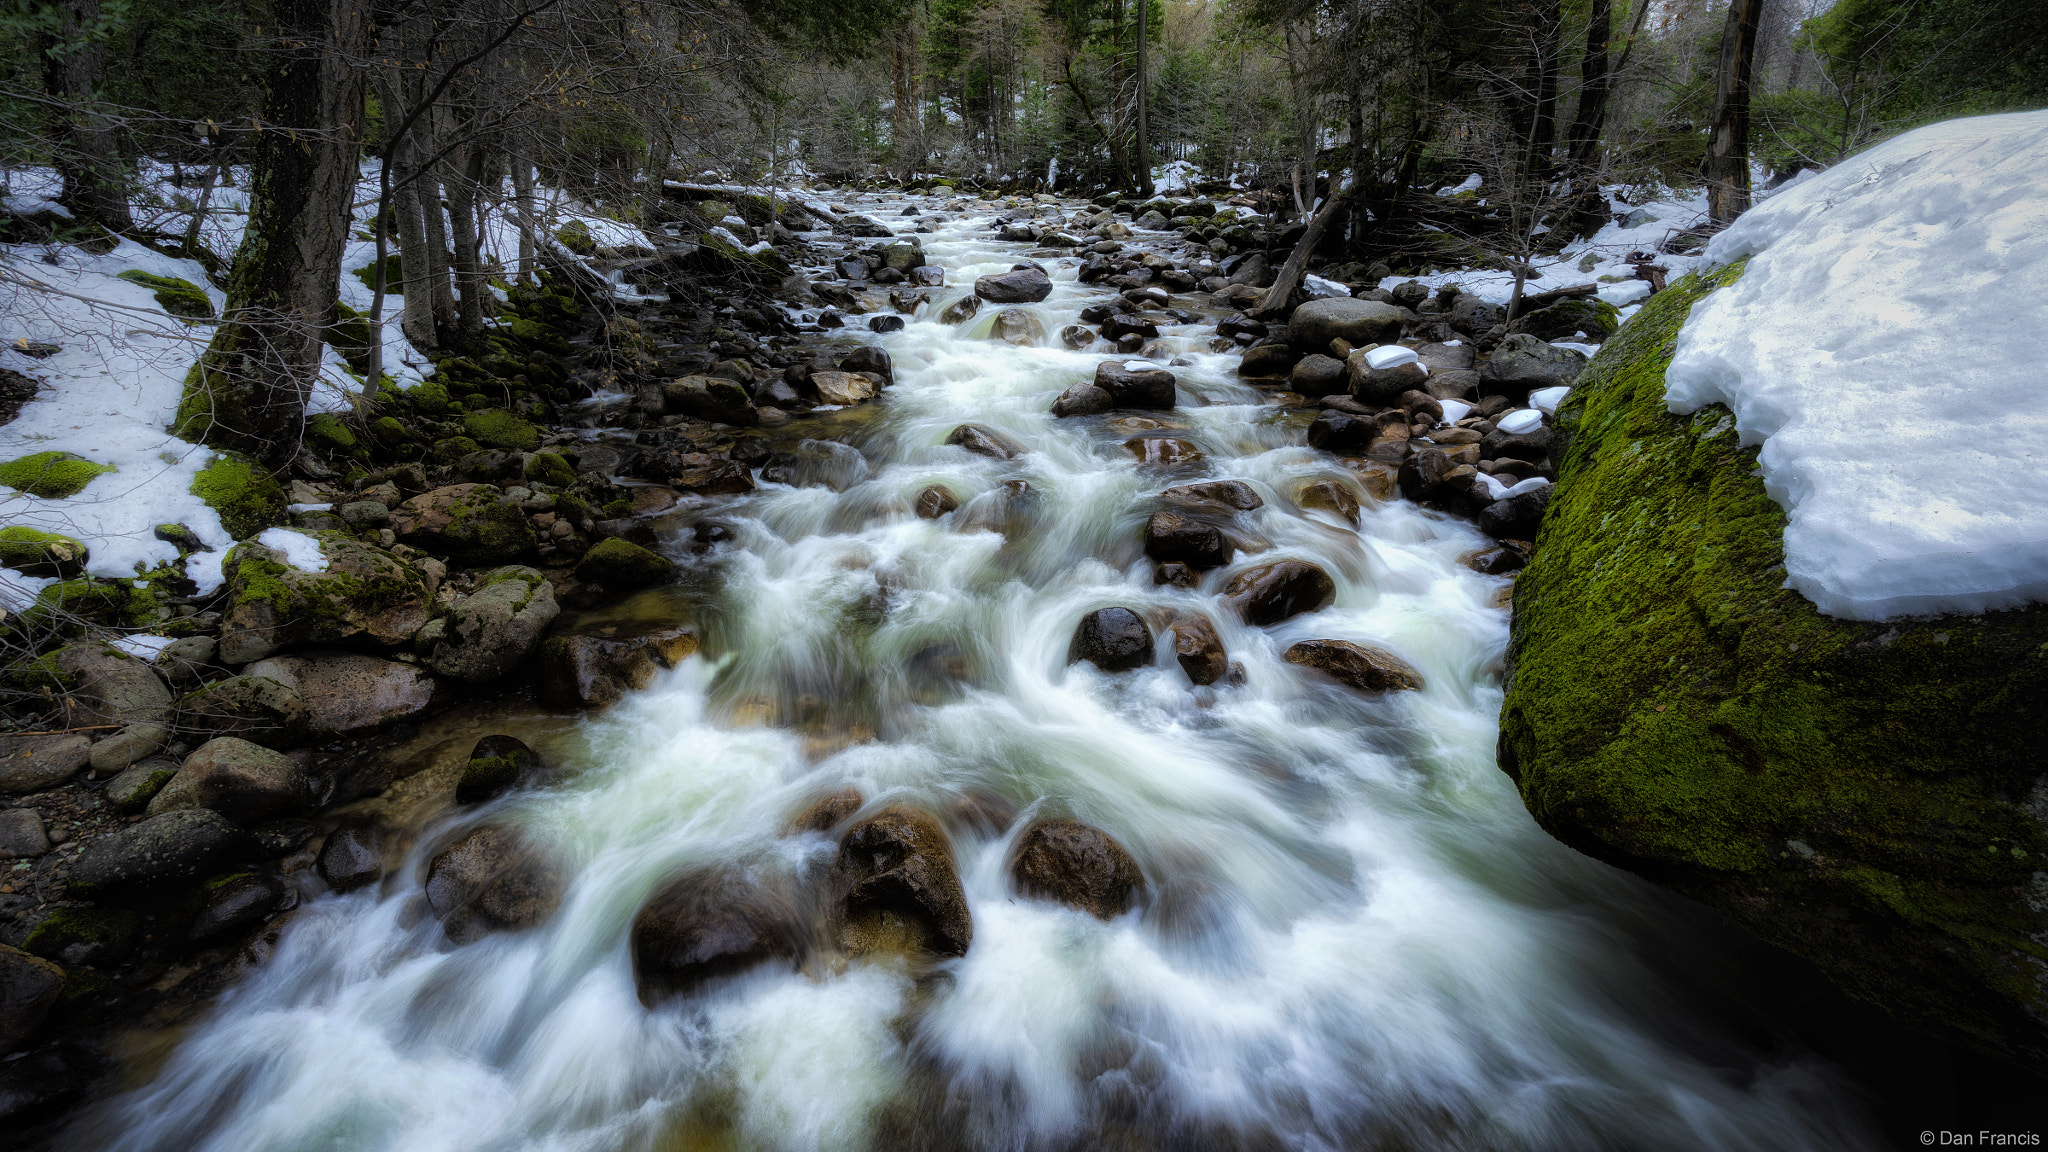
1274	301
1583	148
466	171
906	79
86	153
1144	140
1726	166
522	210
249	390
434	231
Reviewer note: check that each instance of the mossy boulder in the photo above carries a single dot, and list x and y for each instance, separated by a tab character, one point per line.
452	449
549	468
623	564
332	433
394	275
575	236
181	298
51	475
75	936
350	336
497	428
245	496
1869	796
471	524
34	552
1563	320
367	598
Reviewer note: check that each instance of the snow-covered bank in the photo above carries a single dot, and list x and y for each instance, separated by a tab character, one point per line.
1883	346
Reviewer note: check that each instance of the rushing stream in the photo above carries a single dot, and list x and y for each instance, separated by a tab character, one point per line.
1354	936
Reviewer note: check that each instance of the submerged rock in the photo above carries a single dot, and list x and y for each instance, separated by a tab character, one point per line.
900	891
1077	865
1867	796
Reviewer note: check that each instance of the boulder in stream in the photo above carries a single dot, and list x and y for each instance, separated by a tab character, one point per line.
497	765
983	440
899	888
1270	593
1077	865
1175	536
1359	323
592	671
1197	648
351	858
492	880
1018	286
488	633
709	923
1371	670
1112	639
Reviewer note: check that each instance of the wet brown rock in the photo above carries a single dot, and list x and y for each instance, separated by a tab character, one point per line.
1234	494
592	671
1368	669
1271	593
983	440
900	889
706	924
829	812
1379	479
350	859
1112	639
1177	574
1198	649
236	905
1338	431
1329	496
1163	450
842	387
489	881
1079	866
1509	556
1171	537
935	502
1268	360
708	475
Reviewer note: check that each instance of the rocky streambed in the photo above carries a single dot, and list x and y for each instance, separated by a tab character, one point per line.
988	690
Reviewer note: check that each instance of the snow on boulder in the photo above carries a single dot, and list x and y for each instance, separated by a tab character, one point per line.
1883	347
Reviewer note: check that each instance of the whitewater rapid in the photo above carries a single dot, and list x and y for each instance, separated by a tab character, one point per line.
1355	937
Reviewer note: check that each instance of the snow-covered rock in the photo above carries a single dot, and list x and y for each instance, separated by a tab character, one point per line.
1884	348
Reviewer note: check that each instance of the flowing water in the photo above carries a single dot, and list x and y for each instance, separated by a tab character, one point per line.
1354	936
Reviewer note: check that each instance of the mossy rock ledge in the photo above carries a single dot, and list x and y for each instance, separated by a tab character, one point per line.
1869	796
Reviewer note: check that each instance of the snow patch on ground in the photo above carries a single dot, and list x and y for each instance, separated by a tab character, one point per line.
1884	347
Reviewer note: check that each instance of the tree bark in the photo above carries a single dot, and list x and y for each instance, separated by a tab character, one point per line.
249	389
466	172
1144	141
906	81
522	200
1276	297
86	153
1726	166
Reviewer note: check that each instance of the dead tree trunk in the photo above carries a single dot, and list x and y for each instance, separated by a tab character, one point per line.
1275	300
1726	166
249	389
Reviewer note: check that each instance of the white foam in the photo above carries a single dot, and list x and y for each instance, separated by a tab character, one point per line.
1884	348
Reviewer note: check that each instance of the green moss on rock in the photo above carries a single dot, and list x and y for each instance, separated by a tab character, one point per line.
623	564
73	936
550	468
331	432
51	475
34	552
1857	793
181	298
496	428
247	499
